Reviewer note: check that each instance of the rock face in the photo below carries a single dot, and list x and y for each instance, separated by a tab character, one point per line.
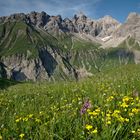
78	24
37	46
130	27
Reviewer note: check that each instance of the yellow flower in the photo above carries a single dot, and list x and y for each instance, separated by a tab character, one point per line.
25	119
132	103
138	131
0	137
124	105
108	122
79	98
126	119
88	110
37	120
91	117
108	115
121	119
18	120
116	113
133	132
110	98
21	135
30	115
93	113
131	114
94	131
108	118
97	110
135	111
88	127
137	98
126	99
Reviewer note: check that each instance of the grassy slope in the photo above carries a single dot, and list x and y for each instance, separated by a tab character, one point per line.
52	110
18	38
4	83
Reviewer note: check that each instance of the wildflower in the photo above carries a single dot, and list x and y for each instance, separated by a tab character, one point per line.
79	98
108	118
133	132
121	119
131	114
25	119
86	106
97	110
108	122
93	113
135	111
126	99
88	127
126	119
94	131
18	120
37	120
137	98
30	115
132	103
110	98
108	115
124	105
88	110
116	113
138	131
0	137
21	135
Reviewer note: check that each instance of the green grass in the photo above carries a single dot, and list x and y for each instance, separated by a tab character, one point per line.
20	38
5	83
85	45
52	110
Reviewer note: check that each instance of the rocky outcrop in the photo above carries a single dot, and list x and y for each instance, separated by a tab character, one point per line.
39	19
20	68
131	27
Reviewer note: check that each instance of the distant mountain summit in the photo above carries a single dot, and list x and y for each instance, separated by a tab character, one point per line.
78	24
131	26
37	46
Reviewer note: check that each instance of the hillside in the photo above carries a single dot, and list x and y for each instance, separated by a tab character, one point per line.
106	106
39	47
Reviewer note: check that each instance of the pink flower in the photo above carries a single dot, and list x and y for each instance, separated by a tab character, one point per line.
86	106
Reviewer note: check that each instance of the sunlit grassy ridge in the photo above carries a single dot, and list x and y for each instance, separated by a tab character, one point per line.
52	110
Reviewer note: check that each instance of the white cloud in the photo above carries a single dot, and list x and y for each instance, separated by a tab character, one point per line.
53	7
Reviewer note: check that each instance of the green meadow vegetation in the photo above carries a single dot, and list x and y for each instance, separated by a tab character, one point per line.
104	107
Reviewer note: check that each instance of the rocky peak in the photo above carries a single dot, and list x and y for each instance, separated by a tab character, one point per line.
2	19
16	17
131	27
106	26
82	17
133	17
39	19
108	19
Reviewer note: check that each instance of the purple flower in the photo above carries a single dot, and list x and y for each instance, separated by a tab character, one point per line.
85	106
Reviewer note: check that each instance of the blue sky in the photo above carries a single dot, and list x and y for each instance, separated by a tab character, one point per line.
118	9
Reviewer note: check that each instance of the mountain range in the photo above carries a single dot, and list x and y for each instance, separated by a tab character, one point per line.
38	47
